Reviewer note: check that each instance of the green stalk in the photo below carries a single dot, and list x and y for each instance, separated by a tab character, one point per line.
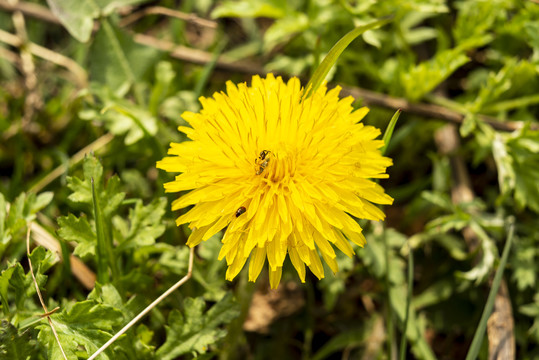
104	252
389	131
389	319
480	331
408	303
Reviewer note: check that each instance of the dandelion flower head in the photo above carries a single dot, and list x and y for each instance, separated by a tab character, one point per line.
282	174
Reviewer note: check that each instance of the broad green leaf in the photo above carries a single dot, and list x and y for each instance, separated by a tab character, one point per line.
331	58
80	231
193	330
14	344
117	61
85	324
76	15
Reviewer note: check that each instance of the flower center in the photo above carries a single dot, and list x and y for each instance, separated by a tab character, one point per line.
278	165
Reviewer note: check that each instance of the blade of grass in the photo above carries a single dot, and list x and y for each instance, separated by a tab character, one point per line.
101	246
208	68
336	51
408	302
389	307
389	131
481	328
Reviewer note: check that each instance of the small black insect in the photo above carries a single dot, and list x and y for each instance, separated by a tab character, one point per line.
240	211
263	154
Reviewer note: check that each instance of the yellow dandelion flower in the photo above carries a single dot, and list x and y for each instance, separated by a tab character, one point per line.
283	175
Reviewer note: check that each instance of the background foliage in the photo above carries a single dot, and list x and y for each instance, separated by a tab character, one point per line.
121	72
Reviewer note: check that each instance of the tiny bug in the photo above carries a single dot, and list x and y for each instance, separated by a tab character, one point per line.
264	161
240	211
263	154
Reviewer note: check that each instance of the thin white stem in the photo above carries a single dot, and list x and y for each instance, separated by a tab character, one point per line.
149	307
47	312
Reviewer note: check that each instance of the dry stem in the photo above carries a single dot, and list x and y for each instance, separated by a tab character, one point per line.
149	307
47	312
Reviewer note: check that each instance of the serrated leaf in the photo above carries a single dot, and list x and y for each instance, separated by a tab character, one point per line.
21	284
109	197
145	225
15	345
5	277
517	161
194	331
424	77
86	324
80	231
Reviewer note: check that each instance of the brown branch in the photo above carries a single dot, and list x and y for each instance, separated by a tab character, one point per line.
196	56
500	326
369	97
160	10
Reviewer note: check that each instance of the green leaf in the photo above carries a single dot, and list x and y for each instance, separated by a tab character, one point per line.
117	61
5	277
250	8
122	117
389	131
15	345
481	328
108	6
85	324
194	330
14	280
423	78
77	16
80	231
348	339
145	225
331	58
517	160
103	243
109	197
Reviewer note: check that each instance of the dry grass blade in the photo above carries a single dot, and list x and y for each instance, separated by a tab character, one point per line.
47	312
149	307
160	10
